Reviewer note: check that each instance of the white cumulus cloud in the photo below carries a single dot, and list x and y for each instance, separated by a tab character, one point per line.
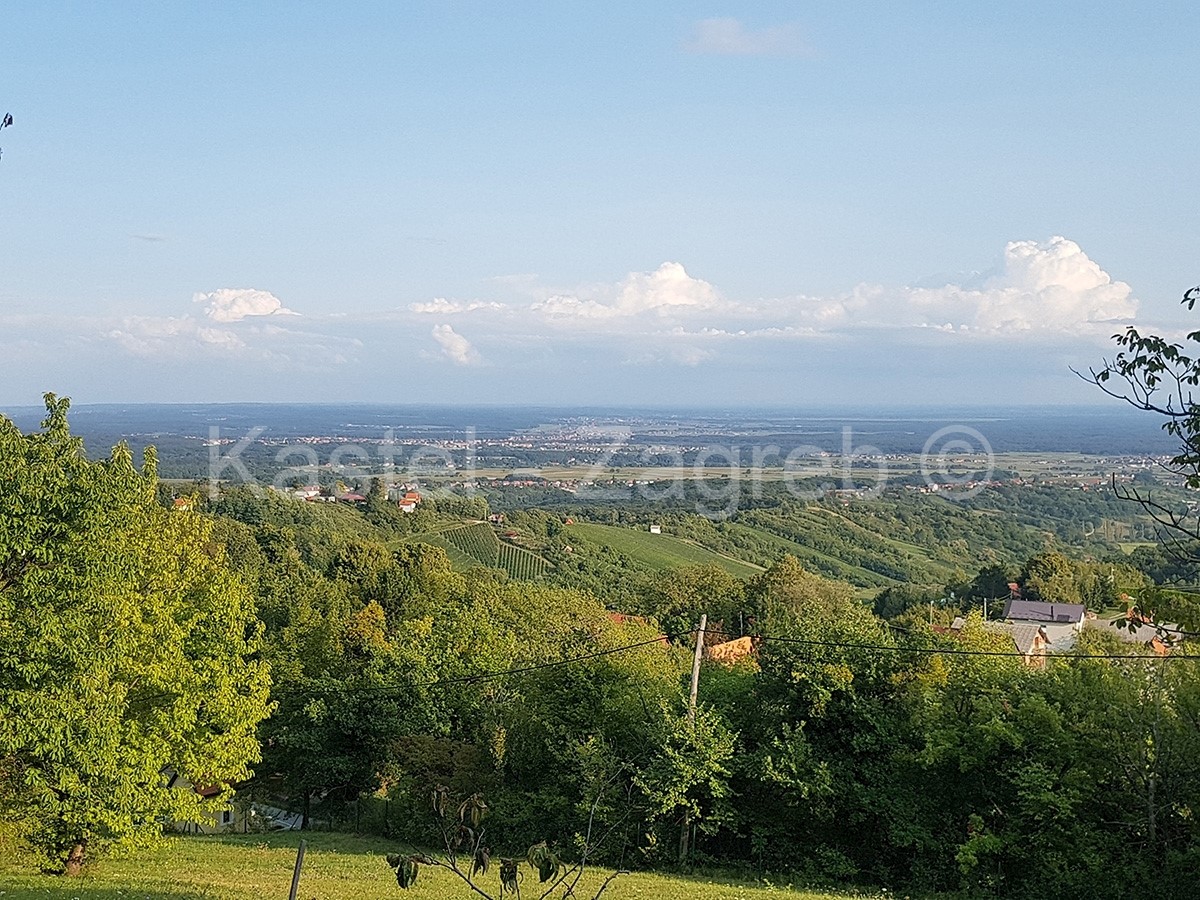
1048	286
455	347
236	304
666	291
668	287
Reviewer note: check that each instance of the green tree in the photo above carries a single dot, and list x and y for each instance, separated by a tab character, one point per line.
1156	375
126	649
688	772
1159	376
678	597
1053	578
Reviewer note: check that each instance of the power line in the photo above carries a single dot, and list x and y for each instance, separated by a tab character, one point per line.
951	651
488	676
765	638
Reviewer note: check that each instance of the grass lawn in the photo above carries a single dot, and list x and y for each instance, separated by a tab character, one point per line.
336	867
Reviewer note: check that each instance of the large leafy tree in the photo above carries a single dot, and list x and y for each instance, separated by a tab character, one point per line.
817	765
127	649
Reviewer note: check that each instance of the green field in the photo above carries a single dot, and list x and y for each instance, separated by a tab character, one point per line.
1129	546
336	867
659	551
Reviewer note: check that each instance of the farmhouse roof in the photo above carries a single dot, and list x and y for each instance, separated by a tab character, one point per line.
1038	611
1028	637
1146	635
1159	646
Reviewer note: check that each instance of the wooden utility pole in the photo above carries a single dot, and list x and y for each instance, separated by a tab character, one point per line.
696	668
691	714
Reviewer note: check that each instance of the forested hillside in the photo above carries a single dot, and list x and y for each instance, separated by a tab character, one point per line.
845	750
849	743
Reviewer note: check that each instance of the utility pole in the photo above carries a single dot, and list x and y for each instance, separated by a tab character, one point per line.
696	668
687	817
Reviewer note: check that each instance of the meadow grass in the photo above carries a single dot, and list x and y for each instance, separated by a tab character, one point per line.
336	867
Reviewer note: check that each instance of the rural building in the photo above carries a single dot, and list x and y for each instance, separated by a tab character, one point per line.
220	821
1143	633
1030	639
405	496
656	529
1042	613
233	818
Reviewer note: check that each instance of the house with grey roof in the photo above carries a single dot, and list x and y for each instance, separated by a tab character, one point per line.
1030	639
1140	631
1042	613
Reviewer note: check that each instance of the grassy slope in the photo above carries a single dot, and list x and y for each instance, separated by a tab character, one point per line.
336	867
915	550
830	565
659	551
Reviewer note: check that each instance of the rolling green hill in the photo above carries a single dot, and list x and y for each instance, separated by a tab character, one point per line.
658	551
771	546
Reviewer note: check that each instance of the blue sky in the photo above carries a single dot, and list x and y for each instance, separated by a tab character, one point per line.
767	203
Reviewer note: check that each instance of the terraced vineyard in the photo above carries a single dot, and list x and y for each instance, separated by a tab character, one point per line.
477	541
460	561
520	563
766	546
474	545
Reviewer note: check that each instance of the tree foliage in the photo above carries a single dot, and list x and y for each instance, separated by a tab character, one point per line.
127	648
1160	376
